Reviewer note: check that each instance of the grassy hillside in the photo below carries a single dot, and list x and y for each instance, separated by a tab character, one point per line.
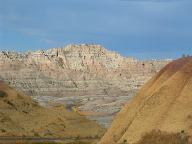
21	116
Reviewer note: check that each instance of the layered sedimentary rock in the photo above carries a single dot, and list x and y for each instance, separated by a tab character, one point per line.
75	70
163	103
89	77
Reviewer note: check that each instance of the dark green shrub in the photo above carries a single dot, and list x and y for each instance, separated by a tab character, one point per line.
3	94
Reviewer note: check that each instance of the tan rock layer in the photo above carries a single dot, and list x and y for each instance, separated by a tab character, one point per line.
75	70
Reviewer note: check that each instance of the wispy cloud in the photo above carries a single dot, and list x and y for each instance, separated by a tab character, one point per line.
48	41
42	36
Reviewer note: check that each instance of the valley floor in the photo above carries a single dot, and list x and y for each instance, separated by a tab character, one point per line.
32	140
100	108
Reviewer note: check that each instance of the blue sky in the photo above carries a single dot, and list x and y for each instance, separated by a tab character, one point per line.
144	29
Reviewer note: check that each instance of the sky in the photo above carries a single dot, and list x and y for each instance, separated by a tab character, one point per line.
145	29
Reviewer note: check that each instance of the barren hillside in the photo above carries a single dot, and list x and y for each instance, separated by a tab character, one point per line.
163	103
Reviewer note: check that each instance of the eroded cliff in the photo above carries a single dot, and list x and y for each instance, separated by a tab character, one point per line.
86	76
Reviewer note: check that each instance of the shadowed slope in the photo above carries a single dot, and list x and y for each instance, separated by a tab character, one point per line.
163	103
20	116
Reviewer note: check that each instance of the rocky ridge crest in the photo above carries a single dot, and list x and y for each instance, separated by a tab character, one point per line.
75	70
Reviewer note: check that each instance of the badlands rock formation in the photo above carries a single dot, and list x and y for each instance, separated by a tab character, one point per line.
75	70
85	75
20	116
163	103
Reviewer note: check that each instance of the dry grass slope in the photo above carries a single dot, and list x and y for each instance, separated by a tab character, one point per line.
77	142
164	103
158	137
21	116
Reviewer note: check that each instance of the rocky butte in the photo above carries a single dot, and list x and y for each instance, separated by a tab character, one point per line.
85	77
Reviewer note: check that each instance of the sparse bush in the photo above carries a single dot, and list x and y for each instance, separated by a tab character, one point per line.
2	94
78	137
158	137
3	130
185	55
124	141
79	142
36	134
